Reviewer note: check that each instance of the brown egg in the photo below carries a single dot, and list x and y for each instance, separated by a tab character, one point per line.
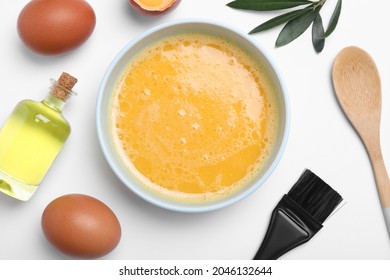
53	27
81	226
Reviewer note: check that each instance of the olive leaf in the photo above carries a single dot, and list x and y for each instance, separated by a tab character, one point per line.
318	33
334	19
296	21
278	20
266	5
294	28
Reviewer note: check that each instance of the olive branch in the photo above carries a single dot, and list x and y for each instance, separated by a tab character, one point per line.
296	21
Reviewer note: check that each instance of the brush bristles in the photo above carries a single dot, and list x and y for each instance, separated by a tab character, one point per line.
315	196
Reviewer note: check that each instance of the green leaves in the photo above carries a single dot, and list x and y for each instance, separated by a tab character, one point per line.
294	28
266	5
296	21
278	20
334	19
317	34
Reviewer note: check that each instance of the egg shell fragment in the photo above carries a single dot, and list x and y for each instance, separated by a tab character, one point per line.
54	27
81	226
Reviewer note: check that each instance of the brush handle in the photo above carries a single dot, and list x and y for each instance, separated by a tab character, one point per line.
289	227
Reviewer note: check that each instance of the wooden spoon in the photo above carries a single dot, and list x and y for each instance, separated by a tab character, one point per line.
358	89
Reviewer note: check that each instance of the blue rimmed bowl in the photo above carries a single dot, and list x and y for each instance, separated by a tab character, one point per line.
120	63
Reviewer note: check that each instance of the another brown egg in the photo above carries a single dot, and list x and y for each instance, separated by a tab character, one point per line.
53	27
81	226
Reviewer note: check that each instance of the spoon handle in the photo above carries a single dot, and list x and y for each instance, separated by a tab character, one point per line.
382	179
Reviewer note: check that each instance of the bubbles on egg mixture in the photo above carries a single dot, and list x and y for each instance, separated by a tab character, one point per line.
198	122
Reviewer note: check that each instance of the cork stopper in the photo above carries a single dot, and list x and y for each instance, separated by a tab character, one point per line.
62	88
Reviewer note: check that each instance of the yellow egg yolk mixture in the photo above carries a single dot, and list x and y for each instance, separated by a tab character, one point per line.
194	117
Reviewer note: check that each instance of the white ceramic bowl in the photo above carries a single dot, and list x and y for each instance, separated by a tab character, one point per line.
132	49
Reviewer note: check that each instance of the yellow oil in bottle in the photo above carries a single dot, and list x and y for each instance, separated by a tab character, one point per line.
30	140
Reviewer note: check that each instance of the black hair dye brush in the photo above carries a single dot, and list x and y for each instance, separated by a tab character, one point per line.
298	216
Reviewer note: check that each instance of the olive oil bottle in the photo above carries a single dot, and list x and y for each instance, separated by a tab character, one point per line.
31	139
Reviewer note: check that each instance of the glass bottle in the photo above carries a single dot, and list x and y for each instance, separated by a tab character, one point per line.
31	138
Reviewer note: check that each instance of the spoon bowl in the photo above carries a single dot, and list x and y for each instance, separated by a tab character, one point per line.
358	88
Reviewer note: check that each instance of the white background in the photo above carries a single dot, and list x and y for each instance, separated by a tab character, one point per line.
321	139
